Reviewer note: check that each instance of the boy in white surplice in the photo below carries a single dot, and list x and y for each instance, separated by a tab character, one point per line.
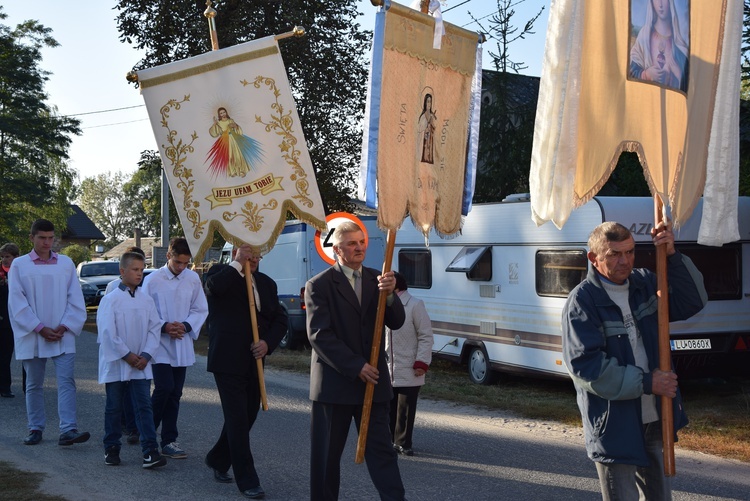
129	330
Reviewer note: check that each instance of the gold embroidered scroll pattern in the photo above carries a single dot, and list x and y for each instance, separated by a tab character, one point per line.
177	152
282	123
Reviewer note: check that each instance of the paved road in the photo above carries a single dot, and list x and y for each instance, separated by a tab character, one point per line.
462	452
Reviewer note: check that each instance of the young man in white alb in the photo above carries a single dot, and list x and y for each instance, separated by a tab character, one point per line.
47	312
181	303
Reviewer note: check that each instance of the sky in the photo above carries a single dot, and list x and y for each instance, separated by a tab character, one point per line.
89	67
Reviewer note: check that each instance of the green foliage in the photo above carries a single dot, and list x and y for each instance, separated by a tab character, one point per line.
143	191
627	180
326	67
508	111
103	200
34	141
78	253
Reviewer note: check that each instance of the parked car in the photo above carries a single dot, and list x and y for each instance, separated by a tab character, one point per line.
90	293
97	274
94	286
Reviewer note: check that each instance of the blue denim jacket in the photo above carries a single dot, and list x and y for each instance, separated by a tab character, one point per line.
600	360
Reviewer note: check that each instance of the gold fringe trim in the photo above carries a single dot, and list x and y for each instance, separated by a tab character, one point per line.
630	147
286	206
208	67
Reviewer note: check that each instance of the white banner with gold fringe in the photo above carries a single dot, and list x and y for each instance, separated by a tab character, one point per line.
232	145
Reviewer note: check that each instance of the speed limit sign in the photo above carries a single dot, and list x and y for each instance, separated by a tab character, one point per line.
324	240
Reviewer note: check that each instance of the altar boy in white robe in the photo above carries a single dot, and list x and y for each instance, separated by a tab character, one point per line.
47	312
129	328
178	294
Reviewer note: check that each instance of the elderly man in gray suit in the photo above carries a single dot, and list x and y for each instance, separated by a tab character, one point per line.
341	307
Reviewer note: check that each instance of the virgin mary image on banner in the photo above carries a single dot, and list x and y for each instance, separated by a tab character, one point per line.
660	36
233	154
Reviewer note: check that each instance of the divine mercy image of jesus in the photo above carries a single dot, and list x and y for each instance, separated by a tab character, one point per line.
233	154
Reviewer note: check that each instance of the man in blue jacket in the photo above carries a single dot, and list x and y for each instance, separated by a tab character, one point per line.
610	347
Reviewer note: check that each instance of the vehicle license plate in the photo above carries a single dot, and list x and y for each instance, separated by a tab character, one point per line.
690	344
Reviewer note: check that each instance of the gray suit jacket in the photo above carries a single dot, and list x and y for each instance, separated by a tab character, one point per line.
341	332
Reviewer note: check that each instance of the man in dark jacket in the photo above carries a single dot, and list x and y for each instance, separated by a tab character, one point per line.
611	349
231	358
341	307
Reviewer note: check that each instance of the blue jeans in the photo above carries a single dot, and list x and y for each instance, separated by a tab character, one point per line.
168	383
128	415
140	391
628	482
66	392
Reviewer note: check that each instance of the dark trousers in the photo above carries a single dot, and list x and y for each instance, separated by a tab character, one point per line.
128	413
6	353
240	401
403	411
168	384
139	392
329	429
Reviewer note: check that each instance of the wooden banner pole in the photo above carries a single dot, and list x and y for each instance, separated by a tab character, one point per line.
665	353
377	336
256	338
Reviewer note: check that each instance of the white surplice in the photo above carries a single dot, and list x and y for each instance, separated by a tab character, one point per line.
126	324
47	294
178	298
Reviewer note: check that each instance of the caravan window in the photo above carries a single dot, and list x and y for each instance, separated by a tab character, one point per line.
559	271
475	261
416	267
721	267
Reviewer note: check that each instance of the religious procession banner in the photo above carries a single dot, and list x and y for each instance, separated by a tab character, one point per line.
659	78
421	122
232	146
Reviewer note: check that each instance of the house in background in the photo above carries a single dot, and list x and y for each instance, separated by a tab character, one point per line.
146	243
80	229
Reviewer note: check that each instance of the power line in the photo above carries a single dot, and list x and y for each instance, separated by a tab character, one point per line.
474	21
118	123
102	111
457	5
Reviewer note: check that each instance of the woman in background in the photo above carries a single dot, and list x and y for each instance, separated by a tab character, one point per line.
409	351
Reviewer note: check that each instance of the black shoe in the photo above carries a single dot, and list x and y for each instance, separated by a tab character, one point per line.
220	476
153	459
403	450
133	437
112	456
34	437
71	437
7	394
254	493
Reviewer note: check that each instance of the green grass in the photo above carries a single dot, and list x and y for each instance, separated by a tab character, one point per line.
16	485
718	410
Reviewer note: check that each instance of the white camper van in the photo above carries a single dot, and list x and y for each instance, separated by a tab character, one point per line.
294	260
495	293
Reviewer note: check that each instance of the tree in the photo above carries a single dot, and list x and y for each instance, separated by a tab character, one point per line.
34	140
143	190
508	111
102	198
77	253
326	67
